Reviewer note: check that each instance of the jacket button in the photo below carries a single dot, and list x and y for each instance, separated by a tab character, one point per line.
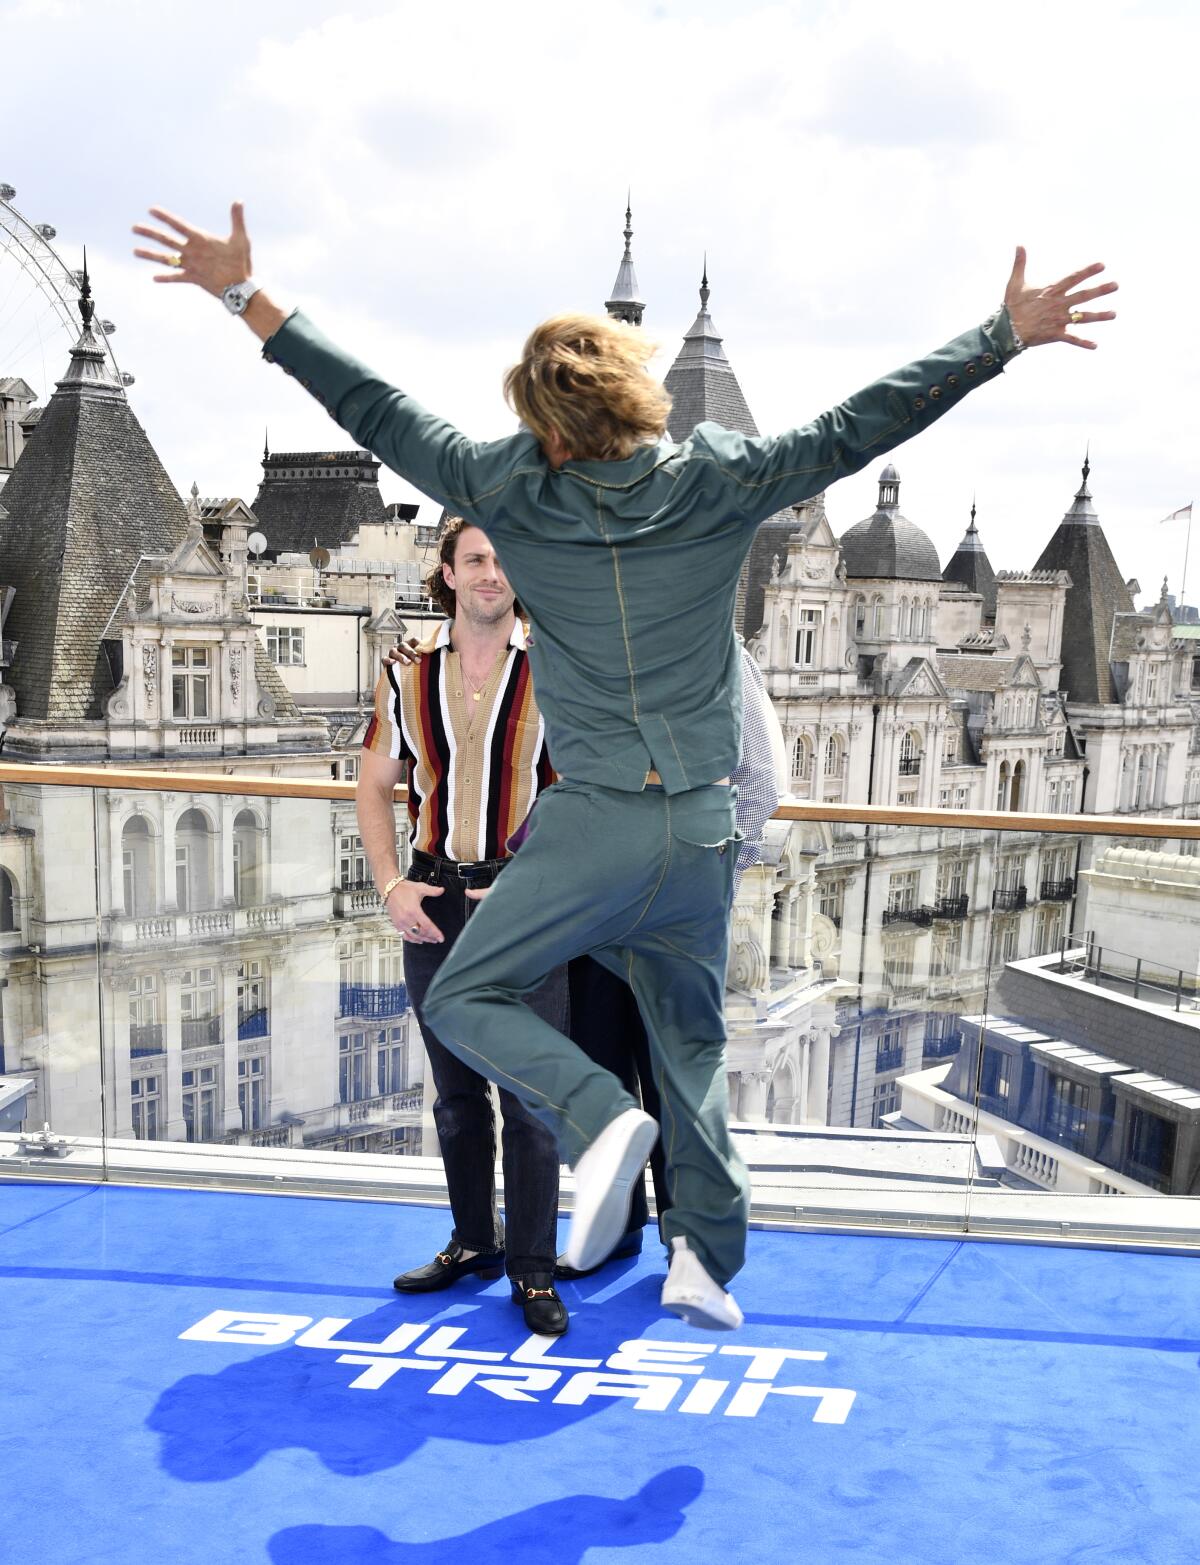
918	403
989	358
935	392
971	368
952	381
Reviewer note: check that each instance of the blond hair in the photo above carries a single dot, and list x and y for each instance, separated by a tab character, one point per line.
584	379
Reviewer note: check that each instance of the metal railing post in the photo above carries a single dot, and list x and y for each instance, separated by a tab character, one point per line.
1137	979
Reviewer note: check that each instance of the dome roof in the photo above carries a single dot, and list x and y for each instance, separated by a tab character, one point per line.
887	546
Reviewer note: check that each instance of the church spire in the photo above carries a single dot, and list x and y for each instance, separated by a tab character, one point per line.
625	305
89	373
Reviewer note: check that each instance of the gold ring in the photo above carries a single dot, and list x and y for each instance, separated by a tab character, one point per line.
1075	317
174	260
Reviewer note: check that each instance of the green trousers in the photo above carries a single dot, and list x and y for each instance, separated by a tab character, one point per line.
642	882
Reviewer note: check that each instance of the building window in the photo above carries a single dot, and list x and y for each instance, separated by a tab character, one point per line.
350	769
252	999
136	876
389	1061
8	920
1052	799
352	864
1017	793
1152	675
889	1050
198	1008
961	796
252	1091
952	879
860	626
902	890
833	756
946	955
191	682
1066	1111
904	625
353	1080
1066	796
1150	1148
1002	787
1006	939
285	645
145	1022
200	1096
950	753
885	1100
802	757
876	617
910	755
193	862
144	1095
994	1074
831	899
808	638
247	859
898	964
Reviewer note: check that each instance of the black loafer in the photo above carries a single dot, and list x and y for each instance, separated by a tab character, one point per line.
544	1311
630	1246
447	1267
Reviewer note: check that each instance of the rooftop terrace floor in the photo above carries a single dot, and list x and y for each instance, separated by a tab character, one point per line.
959	1400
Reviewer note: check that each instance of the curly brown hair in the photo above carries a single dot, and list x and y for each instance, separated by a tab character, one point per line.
436	585
584	378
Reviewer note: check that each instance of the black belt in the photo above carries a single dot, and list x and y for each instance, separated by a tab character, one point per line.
482	871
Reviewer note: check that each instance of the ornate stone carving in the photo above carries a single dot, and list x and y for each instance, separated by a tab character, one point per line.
266	705
150	673
193	605
235	672
749	969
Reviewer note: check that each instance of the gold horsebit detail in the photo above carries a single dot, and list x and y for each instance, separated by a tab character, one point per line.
539	1293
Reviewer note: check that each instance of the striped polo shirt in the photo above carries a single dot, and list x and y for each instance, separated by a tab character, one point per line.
474	767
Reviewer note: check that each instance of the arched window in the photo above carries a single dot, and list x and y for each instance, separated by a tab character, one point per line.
1141	792
1017	792
137	867
877	616
905	625
193	862
247	859
910	754
1002	787
8	911
860	617
802	758
833	756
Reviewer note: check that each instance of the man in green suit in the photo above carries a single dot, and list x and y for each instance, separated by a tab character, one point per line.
625	548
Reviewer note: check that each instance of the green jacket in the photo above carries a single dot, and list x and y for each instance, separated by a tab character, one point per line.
628	570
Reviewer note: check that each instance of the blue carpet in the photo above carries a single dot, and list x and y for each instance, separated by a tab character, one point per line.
179	1377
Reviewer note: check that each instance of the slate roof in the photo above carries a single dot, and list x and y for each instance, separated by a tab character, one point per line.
968	673
317	497
88	497
887	546
1097	592
970	567
704	388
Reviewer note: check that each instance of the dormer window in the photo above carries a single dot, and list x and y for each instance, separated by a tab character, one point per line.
191	682
1152	684
807	636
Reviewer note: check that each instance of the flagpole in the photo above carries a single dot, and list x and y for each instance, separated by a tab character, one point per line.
1187	545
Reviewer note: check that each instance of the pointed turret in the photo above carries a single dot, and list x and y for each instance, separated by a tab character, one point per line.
701	381
625	304
88	498
1097	592
970	567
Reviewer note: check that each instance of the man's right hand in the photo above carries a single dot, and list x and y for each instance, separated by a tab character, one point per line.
407	916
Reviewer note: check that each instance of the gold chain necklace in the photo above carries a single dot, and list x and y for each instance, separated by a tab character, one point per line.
476	690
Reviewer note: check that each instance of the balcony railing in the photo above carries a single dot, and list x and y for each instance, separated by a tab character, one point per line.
938	1046
922	917
889	1059
1057	890
910	766
253	1024
372	1000
1010	899
145	1038
952	907
356	901
197	1032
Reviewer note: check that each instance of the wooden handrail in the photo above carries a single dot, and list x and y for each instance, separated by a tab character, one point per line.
255	785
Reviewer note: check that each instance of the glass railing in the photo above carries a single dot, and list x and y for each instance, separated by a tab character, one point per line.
935	1020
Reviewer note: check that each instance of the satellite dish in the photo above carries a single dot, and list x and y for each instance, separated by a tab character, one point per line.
318	557
256	543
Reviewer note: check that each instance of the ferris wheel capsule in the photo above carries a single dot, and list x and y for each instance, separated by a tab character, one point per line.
47	230
7	193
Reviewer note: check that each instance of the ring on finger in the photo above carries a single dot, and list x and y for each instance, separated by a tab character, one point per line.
174	260
1075	317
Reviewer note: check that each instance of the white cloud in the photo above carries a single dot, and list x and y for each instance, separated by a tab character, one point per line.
431	180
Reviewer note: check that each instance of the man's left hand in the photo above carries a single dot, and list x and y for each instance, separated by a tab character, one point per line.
1044	314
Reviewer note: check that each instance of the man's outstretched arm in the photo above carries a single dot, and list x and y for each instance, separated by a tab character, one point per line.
437	458
766	473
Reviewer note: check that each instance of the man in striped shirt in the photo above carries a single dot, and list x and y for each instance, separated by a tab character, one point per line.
461	729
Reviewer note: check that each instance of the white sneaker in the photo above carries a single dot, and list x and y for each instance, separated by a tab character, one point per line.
604	1178
690	1293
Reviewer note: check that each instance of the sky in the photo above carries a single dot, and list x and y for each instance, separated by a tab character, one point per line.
429	181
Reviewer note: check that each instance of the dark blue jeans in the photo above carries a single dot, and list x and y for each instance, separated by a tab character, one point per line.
465	1122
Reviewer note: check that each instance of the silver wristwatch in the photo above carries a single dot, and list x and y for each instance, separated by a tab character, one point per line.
237	296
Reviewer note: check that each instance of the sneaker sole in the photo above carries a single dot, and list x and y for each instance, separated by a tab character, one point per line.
693	1313
588	1249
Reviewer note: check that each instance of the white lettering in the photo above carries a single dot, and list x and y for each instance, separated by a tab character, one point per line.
258	1326
438	1345
380	1370
500	1382
704	1396
765	1363
833	1403
652	1392
321	1335
652	1354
